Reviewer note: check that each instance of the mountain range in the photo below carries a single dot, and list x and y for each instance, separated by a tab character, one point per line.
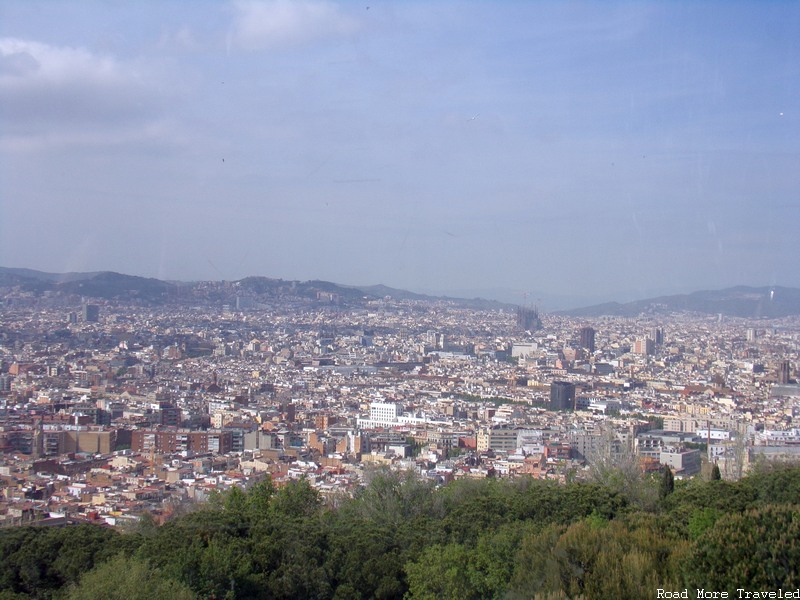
741	301
109	285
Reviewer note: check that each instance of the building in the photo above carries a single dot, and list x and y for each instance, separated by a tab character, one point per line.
169	415
644	346
650	444
388	414
524	349
181	440
91	313
784	372
562	395
385	411
682	462
259	440
657	335
587	338
40	442
499	438
528	319
585	444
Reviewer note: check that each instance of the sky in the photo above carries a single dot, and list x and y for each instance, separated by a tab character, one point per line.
550	152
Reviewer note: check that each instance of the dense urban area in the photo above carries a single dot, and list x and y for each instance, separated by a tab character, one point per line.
133	416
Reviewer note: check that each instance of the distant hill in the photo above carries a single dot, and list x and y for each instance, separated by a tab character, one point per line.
741	301
49	277
116	286
381	291
104	285
749	302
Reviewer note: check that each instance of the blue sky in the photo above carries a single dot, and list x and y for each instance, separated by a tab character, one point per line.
569	151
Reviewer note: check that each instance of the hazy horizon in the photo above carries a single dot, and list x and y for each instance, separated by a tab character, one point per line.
541	299
604	151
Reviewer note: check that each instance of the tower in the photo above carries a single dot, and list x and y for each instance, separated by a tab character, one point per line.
562	395
38	438
784	372
528	319
644	346
587	338
91	313
657	335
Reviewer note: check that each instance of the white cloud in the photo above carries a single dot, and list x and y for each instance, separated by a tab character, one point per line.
262	24
57	94
28	63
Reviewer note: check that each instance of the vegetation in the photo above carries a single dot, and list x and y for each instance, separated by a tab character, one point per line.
667	483
401	537
124	578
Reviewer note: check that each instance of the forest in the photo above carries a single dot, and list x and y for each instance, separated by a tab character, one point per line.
402	537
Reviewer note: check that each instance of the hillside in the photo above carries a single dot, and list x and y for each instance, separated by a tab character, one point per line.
107	285
741	301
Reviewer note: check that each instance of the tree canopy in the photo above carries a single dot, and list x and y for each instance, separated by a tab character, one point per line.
402	537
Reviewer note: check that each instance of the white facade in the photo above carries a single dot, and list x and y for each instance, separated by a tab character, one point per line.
385	411
389	414
524	350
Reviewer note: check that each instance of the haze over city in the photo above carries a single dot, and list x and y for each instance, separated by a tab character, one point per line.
592	151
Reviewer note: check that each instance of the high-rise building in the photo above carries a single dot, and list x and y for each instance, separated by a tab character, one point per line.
784	372
91	313
587	338
562	395
644	346
657	335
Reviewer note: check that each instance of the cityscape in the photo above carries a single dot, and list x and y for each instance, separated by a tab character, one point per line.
112	408
314	299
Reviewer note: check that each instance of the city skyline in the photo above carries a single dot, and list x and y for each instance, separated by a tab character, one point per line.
610	151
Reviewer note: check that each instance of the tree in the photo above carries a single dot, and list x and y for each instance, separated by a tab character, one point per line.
474	506
124	578
615	464
205	549
691	496
41	560
364	558
735	463
715	473
774	482
296	499
667	483
595	558
537	567
459	571
391	497
442	572
701	520
757	550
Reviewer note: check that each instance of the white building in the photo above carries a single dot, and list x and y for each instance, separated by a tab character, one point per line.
389	414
